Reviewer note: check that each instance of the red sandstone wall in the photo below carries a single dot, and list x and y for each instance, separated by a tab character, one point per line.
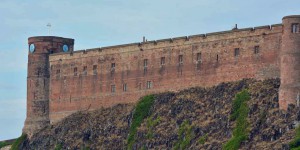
69	93
290	60
38	80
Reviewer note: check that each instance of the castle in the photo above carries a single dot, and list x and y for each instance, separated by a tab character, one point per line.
62	81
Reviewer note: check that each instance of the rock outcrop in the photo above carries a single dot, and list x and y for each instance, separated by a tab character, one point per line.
205	111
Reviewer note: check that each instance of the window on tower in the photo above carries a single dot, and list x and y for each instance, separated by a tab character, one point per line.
295	28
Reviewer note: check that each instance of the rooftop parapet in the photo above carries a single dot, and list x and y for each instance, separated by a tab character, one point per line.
191	39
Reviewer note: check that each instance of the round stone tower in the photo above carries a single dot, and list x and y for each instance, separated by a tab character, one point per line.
289	92
38	78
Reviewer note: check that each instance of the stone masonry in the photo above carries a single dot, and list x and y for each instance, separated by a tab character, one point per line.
62	81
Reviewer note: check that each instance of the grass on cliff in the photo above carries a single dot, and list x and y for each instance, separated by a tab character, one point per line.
295	144
3	144
239	114
18	142
151	123
185	135
141	112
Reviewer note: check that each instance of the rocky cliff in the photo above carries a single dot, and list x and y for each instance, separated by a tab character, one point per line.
195	118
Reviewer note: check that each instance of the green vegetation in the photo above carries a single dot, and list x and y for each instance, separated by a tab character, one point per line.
203	139
141	112
3	144
18	142
185	136
240	113
295	144
150	124
58	147
85	148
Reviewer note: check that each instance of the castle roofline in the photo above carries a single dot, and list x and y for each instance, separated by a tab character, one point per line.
47	37
291	16
268	27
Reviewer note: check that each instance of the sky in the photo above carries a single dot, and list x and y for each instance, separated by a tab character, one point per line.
98	23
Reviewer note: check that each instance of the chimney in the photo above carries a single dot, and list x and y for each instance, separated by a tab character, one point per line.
235	27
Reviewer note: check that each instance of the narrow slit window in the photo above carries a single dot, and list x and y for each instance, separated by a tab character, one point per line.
75	71
112	69
162	61
58	72
125	87
180	59
199	57
113	66
217	57
113	88
149	84
236	52
256	49
84	70
145	65
95	69
145	62
295	28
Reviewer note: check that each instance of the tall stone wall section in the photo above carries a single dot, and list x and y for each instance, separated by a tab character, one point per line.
290	62
88	90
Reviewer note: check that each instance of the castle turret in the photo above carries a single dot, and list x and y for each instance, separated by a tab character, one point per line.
38	78
289	92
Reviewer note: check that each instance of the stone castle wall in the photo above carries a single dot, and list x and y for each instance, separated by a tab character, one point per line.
218	63
63	82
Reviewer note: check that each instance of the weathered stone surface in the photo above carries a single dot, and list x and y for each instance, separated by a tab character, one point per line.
62	83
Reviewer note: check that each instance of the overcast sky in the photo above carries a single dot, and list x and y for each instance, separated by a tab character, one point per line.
100	23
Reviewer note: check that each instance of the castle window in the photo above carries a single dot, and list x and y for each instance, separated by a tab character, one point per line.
95	69
113	66
236	52
75	71
125	87
199	57
295	28
58	73
145	65
149	84
113	88
256	49
217	57
199	60
84	70
180	59
112	71
162	61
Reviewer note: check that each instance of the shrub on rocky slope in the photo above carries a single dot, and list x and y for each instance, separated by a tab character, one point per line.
195	118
